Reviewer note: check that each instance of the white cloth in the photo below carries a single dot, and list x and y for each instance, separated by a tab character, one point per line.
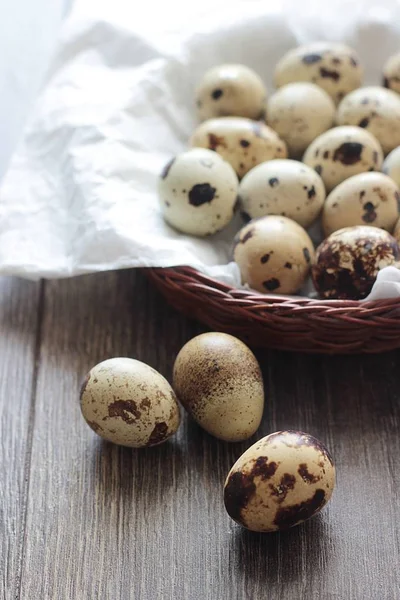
80	195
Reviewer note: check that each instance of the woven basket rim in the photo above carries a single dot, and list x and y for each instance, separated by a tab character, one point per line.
267	299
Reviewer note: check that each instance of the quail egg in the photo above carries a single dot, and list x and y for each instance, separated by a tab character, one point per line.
274	254
128	403
365	199
231	90
299	112
282	480
391	73
241	142
333	66
375	109
197	192
391	165
342	152
282	187
218	380
348	261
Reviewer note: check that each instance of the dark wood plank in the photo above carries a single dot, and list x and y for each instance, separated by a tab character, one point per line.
19	331
107	522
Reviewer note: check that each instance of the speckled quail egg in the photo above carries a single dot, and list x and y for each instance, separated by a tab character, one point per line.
218	380
197	192
282	480
128	403
274	254
342	152
391	73
299	112
374	109
391	165
231	90
333	66
282	187
242	142
365	199
348	261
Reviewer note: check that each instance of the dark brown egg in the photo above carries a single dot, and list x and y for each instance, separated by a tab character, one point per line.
280	481
348	261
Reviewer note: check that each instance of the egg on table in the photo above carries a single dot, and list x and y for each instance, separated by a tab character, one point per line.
274	254
391	165
342	152
197	192
231	90
333	66
365	199
391	73
241	142
299	112
128	403
218	380
375	109
282	187
282	480
349	260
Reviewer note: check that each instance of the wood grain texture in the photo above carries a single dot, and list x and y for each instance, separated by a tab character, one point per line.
112	523
19	343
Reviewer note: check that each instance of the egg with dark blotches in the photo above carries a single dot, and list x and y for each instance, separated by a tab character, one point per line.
299	112
197	192
129	403
282	480
365	199
375	109
231	90
332	66
342	152
241	142
274	254
349	260
391	73
282	187
218	380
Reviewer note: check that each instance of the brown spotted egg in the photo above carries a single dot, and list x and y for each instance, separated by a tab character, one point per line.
333	66
218	380
282	480
299	112
197	192
128	403
375	109
243	143
274	254
349	260
342	152
231	90
391	73
365	199
282	187
391	165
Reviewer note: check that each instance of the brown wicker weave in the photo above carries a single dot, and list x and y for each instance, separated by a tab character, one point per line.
272	321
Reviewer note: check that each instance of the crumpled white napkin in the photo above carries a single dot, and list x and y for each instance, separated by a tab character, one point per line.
80	192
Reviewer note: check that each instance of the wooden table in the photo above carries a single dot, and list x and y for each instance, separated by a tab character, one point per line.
82	519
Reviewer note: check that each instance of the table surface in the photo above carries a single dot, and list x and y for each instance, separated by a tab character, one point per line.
84	519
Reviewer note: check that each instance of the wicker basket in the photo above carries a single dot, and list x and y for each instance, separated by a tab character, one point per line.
272	321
